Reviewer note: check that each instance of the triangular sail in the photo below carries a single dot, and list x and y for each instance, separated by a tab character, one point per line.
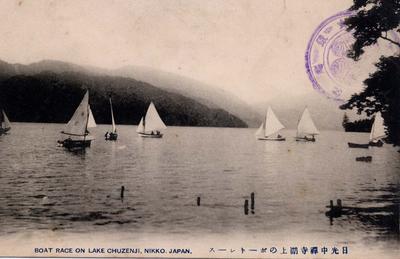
260	131
91	121
378	129
1	119
5	122
272	124
306	125
114	128
140	127
153	120
77	125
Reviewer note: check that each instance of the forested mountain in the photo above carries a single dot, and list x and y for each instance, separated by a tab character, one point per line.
52	97
209	96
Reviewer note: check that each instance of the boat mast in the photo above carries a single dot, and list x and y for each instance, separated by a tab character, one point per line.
112	115
1	119
265	123
298	122
144	122
87	119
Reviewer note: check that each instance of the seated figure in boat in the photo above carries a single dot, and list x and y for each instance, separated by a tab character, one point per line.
111	135
376	143
65	142
155	132
310	138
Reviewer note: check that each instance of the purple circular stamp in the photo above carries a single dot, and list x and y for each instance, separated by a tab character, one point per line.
331	72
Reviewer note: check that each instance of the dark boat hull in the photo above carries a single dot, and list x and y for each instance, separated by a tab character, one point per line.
272	139
356	145
4	130
112	137
73	145
145	135
379	143
305	139
364	159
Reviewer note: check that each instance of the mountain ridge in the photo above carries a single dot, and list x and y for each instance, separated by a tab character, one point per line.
210	96
287	106
50	96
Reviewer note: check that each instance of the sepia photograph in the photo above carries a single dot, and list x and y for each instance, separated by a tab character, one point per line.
200	128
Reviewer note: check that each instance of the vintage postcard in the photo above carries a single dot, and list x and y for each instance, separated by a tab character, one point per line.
200	128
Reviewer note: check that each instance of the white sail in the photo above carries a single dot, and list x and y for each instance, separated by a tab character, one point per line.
5	124
272	124
152	120
2	120
260	131
378	129
114	128
306	125
77	125
140	127
91	121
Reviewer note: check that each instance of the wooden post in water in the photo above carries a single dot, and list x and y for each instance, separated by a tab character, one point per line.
331	204
252	201
122	192
398	218
198	201
246	206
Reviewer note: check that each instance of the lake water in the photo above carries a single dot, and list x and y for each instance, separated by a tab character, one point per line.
293	183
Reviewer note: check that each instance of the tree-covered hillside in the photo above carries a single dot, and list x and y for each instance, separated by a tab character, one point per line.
53	97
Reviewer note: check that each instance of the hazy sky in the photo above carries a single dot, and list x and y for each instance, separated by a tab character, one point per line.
254	49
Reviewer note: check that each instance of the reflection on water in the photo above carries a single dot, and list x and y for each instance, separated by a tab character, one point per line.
46	187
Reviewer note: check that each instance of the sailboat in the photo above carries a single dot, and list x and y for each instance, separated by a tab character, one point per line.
376	135
306	129
5	124
270	126
150	125
113	134
378	131
77	128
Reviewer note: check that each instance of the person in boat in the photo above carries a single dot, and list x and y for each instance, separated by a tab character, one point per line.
66	141
107	135
312	138
377	142
279	136
152	132
157	132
